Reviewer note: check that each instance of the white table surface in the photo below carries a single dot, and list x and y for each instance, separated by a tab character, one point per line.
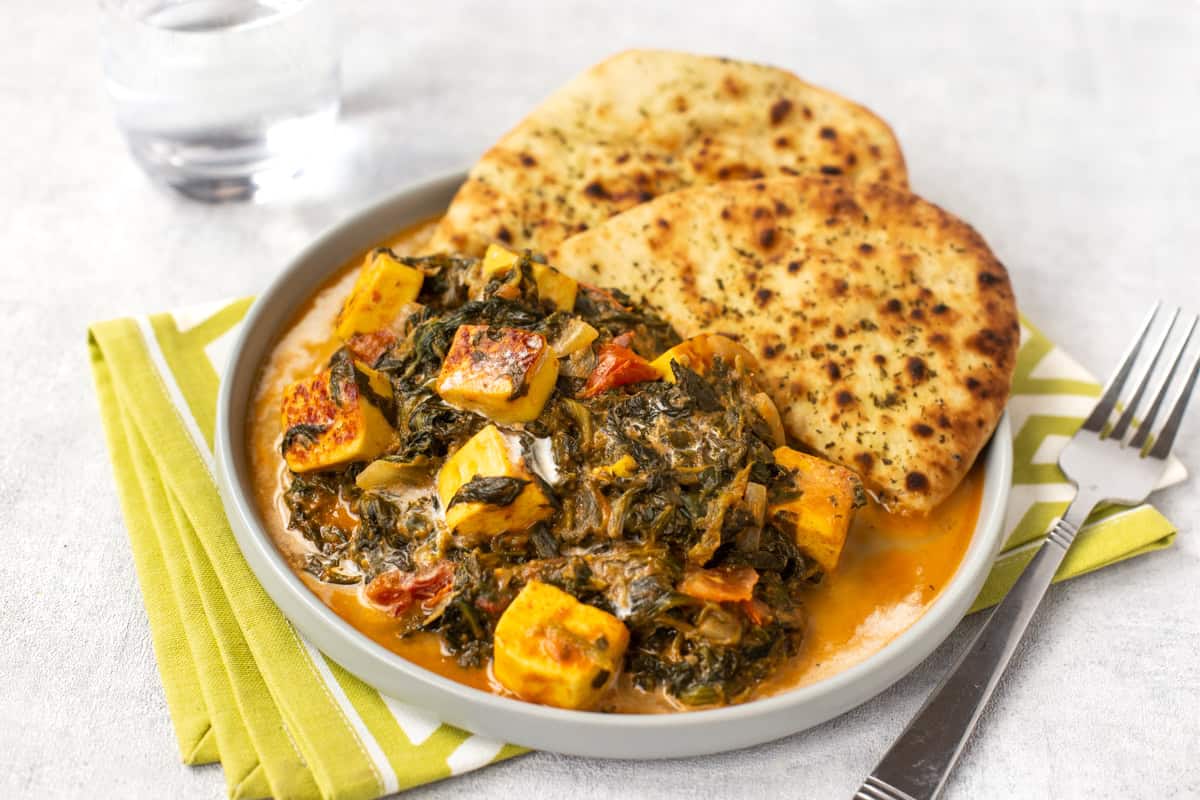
1071	139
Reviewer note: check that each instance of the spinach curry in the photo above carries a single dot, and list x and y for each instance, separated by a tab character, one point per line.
534	487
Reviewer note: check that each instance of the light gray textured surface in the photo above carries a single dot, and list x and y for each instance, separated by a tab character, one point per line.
1068	137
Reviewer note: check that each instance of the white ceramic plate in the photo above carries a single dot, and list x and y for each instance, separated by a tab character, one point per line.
576	732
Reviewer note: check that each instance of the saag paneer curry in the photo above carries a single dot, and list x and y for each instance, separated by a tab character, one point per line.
534	486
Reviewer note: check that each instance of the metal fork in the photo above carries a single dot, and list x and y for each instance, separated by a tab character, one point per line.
1105	467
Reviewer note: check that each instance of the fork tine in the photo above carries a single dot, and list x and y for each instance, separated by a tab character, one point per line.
1118	431
1142	434
1112	392
1166	437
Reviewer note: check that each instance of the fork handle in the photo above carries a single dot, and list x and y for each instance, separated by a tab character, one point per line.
917	765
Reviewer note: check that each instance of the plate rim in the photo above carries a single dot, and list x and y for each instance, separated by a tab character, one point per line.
586	733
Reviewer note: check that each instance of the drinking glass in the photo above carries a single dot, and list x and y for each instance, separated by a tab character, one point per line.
222	98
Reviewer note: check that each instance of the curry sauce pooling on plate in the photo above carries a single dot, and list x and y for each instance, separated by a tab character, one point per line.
540	477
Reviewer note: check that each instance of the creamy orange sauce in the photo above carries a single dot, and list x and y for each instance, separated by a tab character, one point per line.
891	570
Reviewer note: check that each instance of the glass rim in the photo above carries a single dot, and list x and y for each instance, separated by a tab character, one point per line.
137	12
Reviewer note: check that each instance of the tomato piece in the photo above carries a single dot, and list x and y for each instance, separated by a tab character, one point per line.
395	591
494	605
617	365
757	611
368	347
721	585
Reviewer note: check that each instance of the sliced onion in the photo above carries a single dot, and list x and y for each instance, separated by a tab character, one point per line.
719	626
766	409
384	474
756	501
579	364
574	336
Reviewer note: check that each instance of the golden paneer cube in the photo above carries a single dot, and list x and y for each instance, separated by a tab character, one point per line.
551	284
488	455
552	649
818	507
504	374
497	260
699	352
327	426
383	287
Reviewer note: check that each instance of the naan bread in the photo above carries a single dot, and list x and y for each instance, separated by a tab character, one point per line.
886	329
645	123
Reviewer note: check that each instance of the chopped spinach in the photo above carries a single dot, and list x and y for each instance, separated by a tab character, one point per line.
500	490
618	539
304	432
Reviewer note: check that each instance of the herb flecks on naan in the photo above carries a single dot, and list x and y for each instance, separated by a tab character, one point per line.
645	123
885	328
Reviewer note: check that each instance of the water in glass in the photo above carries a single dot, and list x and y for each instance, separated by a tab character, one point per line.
222	98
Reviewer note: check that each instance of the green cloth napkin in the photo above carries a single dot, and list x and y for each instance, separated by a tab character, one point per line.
245	688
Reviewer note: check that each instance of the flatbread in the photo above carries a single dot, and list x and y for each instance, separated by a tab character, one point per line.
644	123
886	329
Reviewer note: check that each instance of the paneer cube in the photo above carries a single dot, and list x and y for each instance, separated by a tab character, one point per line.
817	507
699	352
326	426
488	455
551	284
504	374
498	260
383	287
552	649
